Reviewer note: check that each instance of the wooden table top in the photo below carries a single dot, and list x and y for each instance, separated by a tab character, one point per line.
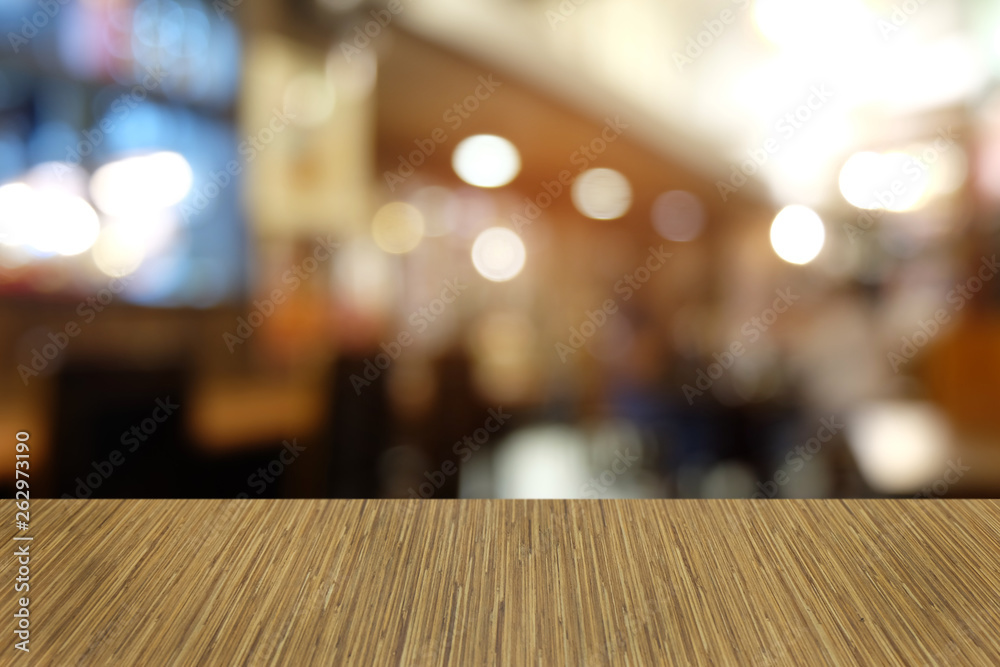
483	582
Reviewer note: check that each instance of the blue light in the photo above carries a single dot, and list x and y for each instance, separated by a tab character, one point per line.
13	155
51	142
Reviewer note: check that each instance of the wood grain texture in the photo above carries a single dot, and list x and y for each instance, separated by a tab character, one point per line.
400	582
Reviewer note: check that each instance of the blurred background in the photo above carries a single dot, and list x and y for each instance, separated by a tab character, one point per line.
502	248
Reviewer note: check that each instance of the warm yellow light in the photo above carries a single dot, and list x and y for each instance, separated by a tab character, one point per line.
16	210
908	183
486	160
398	227
309	99
899	445
120	249
950	173
783	21
498	254
857	176
797	234
49	221
602	194
364	277
809	24
894	181
71	223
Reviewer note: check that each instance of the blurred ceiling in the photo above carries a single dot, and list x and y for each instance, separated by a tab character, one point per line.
707	82
420	82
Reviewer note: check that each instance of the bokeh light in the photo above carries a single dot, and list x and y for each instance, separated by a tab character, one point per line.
141	183
49	221
899	445
119	249
678	216
69	178
797	234
486	160
398	228
310	99
17	206
856	177
809	24
498	254
363	277
946	170
352	80
895	181
71	224
108	168
602	194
